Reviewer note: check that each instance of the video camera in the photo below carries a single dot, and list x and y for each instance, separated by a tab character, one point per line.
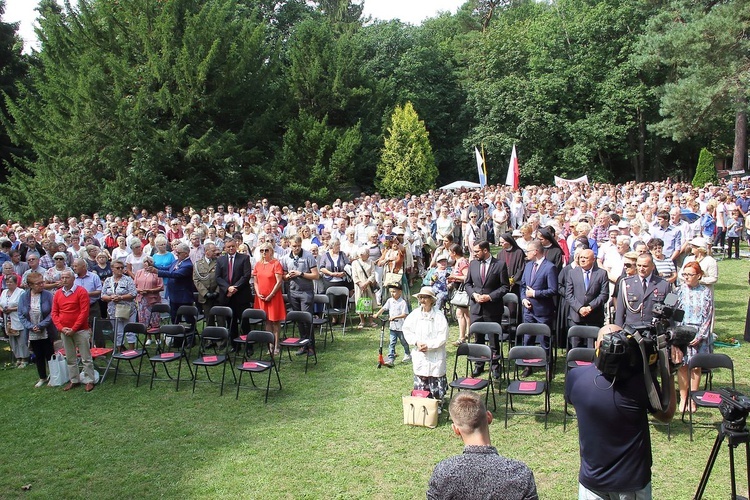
646	348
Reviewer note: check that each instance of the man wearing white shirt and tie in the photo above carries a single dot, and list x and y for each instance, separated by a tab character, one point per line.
587	292
233	278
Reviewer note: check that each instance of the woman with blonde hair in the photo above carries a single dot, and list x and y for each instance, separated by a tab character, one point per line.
268	279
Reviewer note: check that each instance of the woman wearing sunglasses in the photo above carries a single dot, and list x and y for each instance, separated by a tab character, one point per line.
268	275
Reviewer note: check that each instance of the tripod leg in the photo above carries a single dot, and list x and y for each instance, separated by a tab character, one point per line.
747	464
731	469
709	465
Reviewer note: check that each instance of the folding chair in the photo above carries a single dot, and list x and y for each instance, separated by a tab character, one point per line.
264	340
187	316
493	335
164	311
578	356
539	330
589	333
297	319
252	319
527	356
220	312
140	352
213	356
706	398
323	321
103	329
167	354
337	295
510	300
473	352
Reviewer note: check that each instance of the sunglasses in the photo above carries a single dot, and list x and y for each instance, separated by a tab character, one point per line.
629	266
264	250
59	258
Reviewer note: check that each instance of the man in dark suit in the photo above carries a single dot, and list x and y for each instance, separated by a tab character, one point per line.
180	285
538	292
486	283
637	294
233	279
586	292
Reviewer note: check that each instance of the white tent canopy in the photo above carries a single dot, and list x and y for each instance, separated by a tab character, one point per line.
460	184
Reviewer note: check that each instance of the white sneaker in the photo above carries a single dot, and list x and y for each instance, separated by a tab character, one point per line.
407	358
149	342
42	382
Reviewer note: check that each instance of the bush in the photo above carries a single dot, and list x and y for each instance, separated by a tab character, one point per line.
705	172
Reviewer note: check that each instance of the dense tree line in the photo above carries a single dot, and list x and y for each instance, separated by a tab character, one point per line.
148	102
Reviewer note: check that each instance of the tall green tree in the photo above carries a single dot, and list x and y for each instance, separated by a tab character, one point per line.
13	68
407	164
706	47
149	101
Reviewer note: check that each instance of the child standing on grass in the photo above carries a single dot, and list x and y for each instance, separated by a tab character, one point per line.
397	310
735	226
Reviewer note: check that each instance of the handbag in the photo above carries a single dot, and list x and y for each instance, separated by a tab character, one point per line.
122	311
364	305
58	370
420	411
460	297
392	279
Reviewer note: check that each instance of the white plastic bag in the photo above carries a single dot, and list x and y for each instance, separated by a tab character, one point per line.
58	370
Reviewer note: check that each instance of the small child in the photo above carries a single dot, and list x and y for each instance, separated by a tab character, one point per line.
397	310
735	226
439	282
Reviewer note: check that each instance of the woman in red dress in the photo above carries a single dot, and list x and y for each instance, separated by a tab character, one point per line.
268	280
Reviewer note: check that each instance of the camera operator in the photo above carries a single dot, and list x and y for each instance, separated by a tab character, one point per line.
636	295
614	438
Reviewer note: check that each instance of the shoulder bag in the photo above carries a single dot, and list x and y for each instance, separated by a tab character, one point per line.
460	297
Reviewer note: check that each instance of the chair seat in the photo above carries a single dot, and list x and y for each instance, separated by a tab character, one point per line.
707	399
96	352
320	321
484	359
166	357
469	383
210	360
131	354
254	366
526	387
531	362
294	342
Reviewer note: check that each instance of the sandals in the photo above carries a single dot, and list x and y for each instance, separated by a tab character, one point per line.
459	342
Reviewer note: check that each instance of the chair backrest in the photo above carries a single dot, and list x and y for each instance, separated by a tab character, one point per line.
215	333
251	313
583	332
172	330
486	328
711	361
533	329
320	298
160	308
337	291
298	317
261	337
510	300
223	311
527	352
474	350
137	328
580	354
187	311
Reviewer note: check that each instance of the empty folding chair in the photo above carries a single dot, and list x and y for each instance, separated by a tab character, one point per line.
323	321
470	352
130	355
264	340
524	356
338	306
187	316
217	337
492	333
538	330
706	398
510	300
252	319
578	356
169	352
299	320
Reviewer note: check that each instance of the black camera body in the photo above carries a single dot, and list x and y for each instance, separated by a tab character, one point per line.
734	407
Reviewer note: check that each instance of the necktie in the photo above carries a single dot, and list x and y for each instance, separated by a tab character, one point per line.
231	268
645	284
533	272
483	270
586	279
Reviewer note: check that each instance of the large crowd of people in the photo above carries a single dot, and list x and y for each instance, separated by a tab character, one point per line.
249	256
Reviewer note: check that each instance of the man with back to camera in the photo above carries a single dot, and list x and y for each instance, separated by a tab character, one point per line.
480	472
615	445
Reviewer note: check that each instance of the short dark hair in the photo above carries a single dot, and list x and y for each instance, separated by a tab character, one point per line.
483	245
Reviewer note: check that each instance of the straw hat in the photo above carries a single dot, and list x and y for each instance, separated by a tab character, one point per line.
426	291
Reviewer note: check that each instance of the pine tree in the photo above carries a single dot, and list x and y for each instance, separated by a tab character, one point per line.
706	170
407	164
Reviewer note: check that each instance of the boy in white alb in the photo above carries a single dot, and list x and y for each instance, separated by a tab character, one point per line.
397	310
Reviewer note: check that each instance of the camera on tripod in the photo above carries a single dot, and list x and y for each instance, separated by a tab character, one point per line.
734	408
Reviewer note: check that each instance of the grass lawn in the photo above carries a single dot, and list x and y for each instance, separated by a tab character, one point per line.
334	433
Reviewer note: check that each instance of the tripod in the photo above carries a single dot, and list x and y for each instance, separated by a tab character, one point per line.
735	439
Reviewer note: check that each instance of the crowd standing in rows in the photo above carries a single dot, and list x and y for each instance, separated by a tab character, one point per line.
554	243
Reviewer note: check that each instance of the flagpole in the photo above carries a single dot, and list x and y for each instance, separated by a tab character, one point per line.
484	166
